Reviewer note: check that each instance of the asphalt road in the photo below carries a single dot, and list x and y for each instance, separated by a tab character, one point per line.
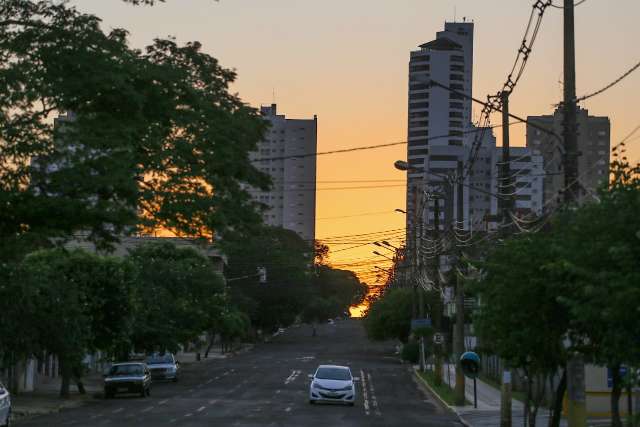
268	386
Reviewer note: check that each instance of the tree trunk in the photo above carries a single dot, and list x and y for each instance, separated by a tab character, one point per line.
541	386
211	340
66	378
77	377
630	403
616	391
527	403
556	410
313	329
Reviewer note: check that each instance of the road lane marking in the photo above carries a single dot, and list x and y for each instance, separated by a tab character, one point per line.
188	414
147	409
213	401
278	391
117	410
288	409
173	420
374	399
162	402
200	409
365	395
210	381
291	378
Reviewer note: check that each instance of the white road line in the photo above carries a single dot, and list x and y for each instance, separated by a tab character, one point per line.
162	402
288	409
173	420
213	401
117	410
291	378
278	391
188	414
210	381
147	409
200	409
364	392
374	399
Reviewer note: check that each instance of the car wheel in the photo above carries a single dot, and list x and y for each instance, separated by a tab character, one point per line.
311	401
351	403
175	379
143	393
149	392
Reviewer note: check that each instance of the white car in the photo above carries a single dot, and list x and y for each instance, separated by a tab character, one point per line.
5	406
332	383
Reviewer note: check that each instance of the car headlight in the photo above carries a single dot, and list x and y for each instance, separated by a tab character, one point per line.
172	369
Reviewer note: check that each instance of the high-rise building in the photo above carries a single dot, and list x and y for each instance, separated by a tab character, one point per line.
439	121
594	143
291	203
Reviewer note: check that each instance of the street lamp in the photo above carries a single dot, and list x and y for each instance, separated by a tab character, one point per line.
384	242
384	256
383	246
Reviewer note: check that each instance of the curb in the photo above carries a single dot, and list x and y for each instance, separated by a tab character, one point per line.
440	399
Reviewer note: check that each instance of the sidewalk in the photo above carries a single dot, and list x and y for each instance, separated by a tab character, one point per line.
488	411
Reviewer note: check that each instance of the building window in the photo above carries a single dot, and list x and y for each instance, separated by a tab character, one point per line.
457	114
455	133
458	77
457	58
419	115
419	68
456	86
457	67
420	124
423	95
418	133
418	105
455	124
457	105
418	86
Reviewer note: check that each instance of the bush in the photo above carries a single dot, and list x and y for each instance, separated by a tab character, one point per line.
410	352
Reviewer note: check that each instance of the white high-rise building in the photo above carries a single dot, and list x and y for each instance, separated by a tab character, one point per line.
292	200
439	120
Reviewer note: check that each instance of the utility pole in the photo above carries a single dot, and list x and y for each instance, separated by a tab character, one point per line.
458	344
437	311
576	393
417	285
506	201
414	261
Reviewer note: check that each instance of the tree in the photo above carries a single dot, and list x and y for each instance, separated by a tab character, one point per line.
520	318
318	310
153	138
69	302
177	296
341	286
389	317
602	249
287	259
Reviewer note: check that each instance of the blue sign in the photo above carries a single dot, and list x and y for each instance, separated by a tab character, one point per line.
623	373
420	323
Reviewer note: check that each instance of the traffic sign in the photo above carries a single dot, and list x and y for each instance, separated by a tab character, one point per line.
420	323
438	338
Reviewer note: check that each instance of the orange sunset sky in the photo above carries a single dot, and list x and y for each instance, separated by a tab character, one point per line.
346	61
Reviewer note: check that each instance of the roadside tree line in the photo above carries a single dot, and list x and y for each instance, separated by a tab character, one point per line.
572	287
108	140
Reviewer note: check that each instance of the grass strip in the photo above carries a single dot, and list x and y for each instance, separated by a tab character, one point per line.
443	390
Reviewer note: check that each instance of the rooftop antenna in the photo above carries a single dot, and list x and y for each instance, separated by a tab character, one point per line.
273	95
454	13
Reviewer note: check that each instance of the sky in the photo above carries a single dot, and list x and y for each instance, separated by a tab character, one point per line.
347	62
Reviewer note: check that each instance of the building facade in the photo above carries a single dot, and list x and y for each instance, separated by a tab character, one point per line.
594	145
439	121
291	203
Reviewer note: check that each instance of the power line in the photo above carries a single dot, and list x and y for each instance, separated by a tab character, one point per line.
610	85
356	215
373	147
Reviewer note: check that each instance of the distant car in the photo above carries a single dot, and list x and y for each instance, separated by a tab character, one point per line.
5	406
332	383
331	322
130	377
163	366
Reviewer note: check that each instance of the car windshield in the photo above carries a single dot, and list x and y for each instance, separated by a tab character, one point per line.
122	370
340	374
157	359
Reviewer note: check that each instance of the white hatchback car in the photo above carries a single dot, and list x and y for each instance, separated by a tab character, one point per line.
332	383
5	407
